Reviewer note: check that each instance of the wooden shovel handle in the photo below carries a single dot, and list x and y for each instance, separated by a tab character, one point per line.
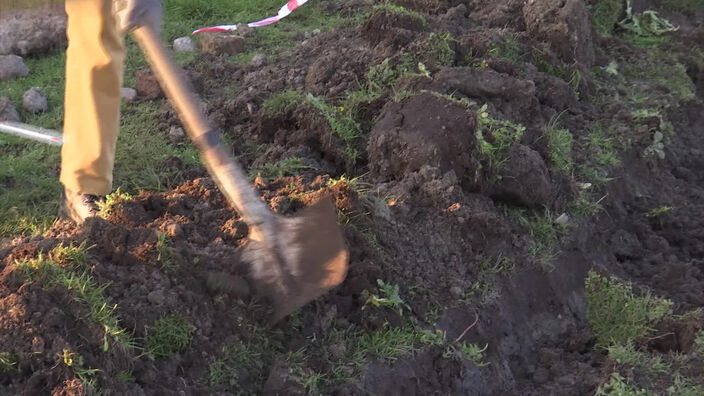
229	176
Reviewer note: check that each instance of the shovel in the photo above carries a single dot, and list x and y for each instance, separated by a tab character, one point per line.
296	259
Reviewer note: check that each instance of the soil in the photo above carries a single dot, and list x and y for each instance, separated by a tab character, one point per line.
431	217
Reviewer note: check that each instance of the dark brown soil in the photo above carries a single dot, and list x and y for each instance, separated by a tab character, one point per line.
430	216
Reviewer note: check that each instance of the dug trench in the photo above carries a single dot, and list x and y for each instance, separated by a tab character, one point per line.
449	181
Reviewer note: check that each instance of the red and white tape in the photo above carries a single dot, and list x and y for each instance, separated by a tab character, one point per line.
285	11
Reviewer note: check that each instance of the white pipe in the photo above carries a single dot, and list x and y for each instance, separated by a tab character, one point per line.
32	132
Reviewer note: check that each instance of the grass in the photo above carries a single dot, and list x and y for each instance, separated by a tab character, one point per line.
391	8
72	273
559	146
618	387
8	362
112	202
281	103
435	50
606	14
542	228
75	362
169	334
164	254
506	48
496	137
342	125
617	315
288	166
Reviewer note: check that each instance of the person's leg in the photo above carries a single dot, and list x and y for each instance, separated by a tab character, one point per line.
94	67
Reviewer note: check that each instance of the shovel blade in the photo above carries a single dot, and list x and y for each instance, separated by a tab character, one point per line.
310	259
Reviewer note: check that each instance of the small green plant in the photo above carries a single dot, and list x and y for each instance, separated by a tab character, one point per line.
603	148
618	387
169	334
391	343
506	48
75	361
387	297
164	253
436	50
627	355
475	353
107	206
8	362
342	125
617	315
71	256
285	167
496	138
699	342
281	103
559	146
658	211
645	29
545	231
657	147
606	14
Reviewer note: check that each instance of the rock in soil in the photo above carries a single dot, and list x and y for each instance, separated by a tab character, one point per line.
184	44
221	43
34	101
12	66
33	32
524	179
8	111
259	60
147	85
129	95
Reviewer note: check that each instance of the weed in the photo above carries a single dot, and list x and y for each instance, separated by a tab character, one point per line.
496	138
111	202
627	355
452	98
435	50
617	387
605	15
545	232
397	9
658	211
342	125
699	342
382	75
559	146
8	362
281	103
506	48
75	361
657	67
584	206
169	334
616	314
387	296
285	167
603	148
164	254
474	353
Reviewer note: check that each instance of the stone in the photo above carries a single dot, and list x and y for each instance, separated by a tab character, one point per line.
8	111
176	134
184	44
156	297
128	95
216	43
12	66
34	101
259	60
147	85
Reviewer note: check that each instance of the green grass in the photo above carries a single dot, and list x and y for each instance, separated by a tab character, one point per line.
341	123
496	137
617	315
8	362
541	226
281	103
685	6
169	334
506	48
606	14
164	254
72	273
289	166
391	8
112	202
559	146
617	386
435	50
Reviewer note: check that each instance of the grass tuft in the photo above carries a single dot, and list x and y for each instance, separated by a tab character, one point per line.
169	334
496	137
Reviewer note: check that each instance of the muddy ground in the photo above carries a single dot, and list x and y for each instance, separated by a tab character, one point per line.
472	239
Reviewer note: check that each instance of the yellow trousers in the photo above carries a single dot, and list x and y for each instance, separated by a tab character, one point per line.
94	68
